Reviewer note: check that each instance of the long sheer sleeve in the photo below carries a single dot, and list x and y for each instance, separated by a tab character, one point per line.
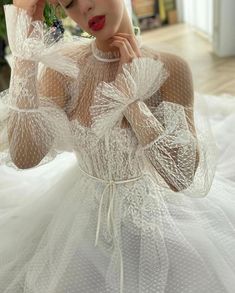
34	126
167	135
167	143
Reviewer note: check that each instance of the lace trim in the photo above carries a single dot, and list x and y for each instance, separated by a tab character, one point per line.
101	54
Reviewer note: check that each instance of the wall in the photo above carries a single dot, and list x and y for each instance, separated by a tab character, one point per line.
224	24
198	13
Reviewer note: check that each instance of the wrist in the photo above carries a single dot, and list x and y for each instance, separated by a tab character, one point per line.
24	67
131	107
23	84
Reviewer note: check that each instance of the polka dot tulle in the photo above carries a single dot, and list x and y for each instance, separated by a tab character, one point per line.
140	207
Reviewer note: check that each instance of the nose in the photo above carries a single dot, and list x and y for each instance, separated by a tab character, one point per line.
85	6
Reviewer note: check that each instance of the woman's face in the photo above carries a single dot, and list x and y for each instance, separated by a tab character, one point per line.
82	10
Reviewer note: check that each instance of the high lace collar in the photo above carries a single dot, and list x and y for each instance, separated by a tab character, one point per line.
109	56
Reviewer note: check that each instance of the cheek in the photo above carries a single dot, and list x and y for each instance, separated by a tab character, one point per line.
113	8
76	17
118	12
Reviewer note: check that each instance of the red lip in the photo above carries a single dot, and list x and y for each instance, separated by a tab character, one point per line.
96	22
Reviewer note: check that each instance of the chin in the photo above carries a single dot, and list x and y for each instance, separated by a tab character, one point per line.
105	36
112	33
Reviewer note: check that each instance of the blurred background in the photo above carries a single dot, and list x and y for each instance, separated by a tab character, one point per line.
200	31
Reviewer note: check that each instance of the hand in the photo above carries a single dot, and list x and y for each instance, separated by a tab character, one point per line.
128	48
34	8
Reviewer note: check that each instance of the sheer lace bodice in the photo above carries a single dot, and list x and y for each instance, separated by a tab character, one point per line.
69	97
99	66
139	149
115	155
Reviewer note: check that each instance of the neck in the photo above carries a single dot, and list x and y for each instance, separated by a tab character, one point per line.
125	27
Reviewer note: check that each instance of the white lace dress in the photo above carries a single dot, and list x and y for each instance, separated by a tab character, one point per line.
143	204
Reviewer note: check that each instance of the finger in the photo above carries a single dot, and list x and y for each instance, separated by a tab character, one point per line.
125	55
128	45
133	41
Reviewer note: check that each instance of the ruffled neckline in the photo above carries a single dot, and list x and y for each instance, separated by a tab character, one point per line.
109	56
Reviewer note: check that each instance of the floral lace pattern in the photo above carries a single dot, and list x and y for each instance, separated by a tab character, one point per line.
119	220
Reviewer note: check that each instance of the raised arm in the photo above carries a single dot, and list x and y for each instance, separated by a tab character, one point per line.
36	123
37	115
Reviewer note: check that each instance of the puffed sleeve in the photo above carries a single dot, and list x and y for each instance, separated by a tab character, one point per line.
174	144
34	126
139	80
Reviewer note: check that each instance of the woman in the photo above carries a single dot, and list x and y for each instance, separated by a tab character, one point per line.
128	217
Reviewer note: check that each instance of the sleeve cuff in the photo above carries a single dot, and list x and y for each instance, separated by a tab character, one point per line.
139	80
45	123
39	45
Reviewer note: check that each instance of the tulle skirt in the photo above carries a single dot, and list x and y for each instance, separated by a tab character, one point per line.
154	242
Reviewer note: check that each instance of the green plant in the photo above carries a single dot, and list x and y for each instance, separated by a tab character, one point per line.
49	13
48	16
